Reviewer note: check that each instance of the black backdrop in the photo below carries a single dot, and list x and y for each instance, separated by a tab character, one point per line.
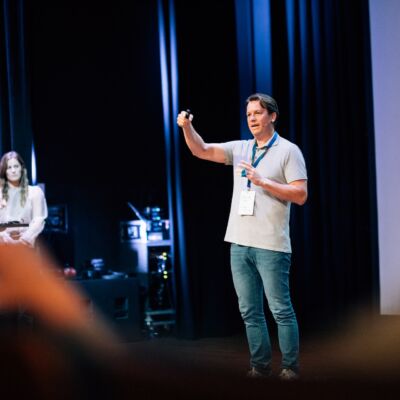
97	125
209	87
95	85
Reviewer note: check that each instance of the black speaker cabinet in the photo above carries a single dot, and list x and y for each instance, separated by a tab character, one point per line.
116	301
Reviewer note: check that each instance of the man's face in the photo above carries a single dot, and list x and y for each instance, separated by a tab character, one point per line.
14	170
258	119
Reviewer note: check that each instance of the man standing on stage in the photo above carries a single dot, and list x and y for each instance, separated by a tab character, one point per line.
270	174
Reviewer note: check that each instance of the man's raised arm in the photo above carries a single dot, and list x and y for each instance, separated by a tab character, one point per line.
205	151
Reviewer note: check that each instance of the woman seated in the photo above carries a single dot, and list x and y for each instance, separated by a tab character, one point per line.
23	208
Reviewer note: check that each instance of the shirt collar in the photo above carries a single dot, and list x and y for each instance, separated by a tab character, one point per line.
266	144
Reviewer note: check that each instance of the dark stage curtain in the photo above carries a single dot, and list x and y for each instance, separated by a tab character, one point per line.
170	84
97	119
208	85
321	78
15	116
319	72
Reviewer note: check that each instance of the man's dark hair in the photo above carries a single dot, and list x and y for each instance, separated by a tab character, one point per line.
266	102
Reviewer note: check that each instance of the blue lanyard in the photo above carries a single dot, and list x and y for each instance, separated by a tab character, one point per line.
256	162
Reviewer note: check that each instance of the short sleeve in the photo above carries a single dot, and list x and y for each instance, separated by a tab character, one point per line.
295	168
229	149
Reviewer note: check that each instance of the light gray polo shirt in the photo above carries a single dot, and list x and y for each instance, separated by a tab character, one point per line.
268	228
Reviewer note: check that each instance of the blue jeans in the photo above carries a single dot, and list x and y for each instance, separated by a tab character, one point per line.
257	271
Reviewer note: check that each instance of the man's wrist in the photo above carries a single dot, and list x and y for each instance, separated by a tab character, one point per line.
264	183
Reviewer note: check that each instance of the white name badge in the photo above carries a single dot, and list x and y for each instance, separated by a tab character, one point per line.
246	203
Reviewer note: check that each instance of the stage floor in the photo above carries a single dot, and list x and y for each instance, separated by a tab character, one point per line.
221	355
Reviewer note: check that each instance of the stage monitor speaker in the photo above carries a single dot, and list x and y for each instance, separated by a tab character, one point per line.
116	301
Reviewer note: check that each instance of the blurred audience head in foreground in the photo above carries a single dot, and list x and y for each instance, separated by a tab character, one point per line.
66	354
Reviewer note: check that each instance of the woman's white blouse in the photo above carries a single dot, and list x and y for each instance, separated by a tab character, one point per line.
34	212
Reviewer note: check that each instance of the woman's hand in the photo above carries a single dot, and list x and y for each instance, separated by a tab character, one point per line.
6	238
15	235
